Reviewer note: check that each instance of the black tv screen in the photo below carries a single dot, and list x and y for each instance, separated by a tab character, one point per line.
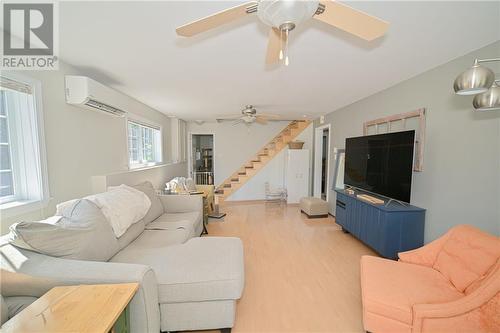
381	164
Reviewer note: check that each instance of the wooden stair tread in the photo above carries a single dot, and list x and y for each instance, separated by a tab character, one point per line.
266	154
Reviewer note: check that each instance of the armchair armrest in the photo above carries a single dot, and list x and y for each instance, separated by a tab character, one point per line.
459	309
26	273
182	203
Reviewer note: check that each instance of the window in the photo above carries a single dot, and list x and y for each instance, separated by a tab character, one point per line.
23	176
144	144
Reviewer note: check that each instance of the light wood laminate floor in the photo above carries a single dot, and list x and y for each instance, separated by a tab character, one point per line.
301	275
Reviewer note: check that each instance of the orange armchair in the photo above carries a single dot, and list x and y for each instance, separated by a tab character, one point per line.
449	285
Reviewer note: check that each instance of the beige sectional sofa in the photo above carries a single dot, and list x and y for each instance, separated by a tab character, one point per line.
186	282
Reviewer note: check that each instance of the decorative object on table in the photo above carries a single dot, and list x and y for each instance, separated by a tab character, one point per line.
296	144
480	81
338	173
413	120
216	214
275	194
77	309
176	185
369	198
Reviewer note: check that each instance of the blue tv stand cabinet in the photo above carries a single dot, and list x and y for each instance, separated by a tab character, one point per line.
388	229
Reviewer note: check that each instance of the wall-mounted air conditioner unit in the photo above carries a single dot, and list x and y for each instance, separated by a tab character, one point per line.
85	92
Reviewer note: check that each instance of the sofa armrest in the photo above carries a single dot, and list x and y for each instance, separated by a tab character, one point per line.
438	316
182	203
26	273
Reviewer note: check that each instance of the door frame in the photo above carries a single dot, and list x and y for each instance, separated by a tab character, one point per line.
190	152
318	149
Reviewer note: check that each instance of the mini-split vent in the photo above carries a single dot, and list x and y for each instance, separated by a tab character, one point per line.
105	108
89	94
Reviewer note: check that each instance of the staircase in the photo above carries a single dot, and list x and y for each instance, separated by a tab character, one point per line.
259	160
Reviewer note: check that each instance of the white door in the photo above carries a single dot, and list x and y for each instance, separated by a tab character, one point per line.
297	174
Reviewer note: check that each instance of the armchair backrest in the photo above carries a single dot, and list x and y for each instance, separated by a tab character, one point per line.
467	255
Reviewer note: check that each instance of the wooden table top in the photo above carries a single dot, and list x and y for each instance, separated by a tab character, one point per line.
82	308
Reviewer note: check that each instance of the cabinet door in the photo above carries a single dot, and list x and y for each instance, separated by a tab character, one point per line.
371	227
340	212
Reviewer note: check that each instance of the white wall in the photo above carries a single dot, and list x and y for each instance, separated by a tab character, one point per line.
460	182
81	143
235	144
273	172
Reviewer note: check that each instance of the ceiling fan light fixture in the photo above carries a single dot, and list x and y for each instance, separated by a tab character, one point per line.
489	100
277	12
476	80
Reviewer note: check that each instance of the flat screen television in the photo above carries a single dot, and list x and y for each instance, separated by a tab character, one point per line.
381	164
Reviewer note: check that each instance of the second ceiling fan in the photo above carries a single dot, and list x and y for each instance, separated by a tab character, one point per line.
284	15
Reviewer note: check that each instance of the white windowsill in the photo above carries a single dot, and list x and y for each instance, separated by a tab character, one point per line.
145	166
15	208
153	166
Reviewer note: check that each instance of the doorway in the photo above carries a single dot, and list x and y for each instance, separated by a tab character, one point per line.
322	162
202	158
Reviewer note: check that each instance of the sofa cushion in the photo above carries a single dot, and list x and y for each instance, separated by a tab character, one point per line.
131	234
390	288
467	255
172	217
149	247
202	269
81	232
189	220
209	268
169	221
156	208
164	225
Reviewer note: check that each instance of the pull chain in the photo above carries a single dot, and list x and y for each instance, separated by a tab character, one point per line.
286	49
281	44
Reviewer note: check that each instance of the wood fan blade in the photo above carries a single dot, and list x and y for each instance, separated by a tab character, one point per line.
215	20
274	46
269	115
261	120
352	20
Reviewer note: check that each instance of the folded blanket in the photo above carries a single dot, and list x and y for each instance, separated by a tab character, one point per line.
121	205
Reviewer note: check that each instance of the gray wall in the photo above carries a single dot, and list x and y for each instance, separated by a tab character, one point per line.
460	182
81	143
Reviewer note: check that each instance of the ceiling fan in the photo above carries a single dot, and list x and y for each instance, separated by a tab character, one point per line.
249	116
284	15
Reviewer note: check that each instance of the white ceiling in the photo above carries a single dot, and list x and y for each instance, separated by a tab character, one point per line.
132	46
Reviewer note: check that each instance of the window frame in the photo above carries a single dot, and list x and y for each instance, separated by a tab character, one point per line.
19	205
144	123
